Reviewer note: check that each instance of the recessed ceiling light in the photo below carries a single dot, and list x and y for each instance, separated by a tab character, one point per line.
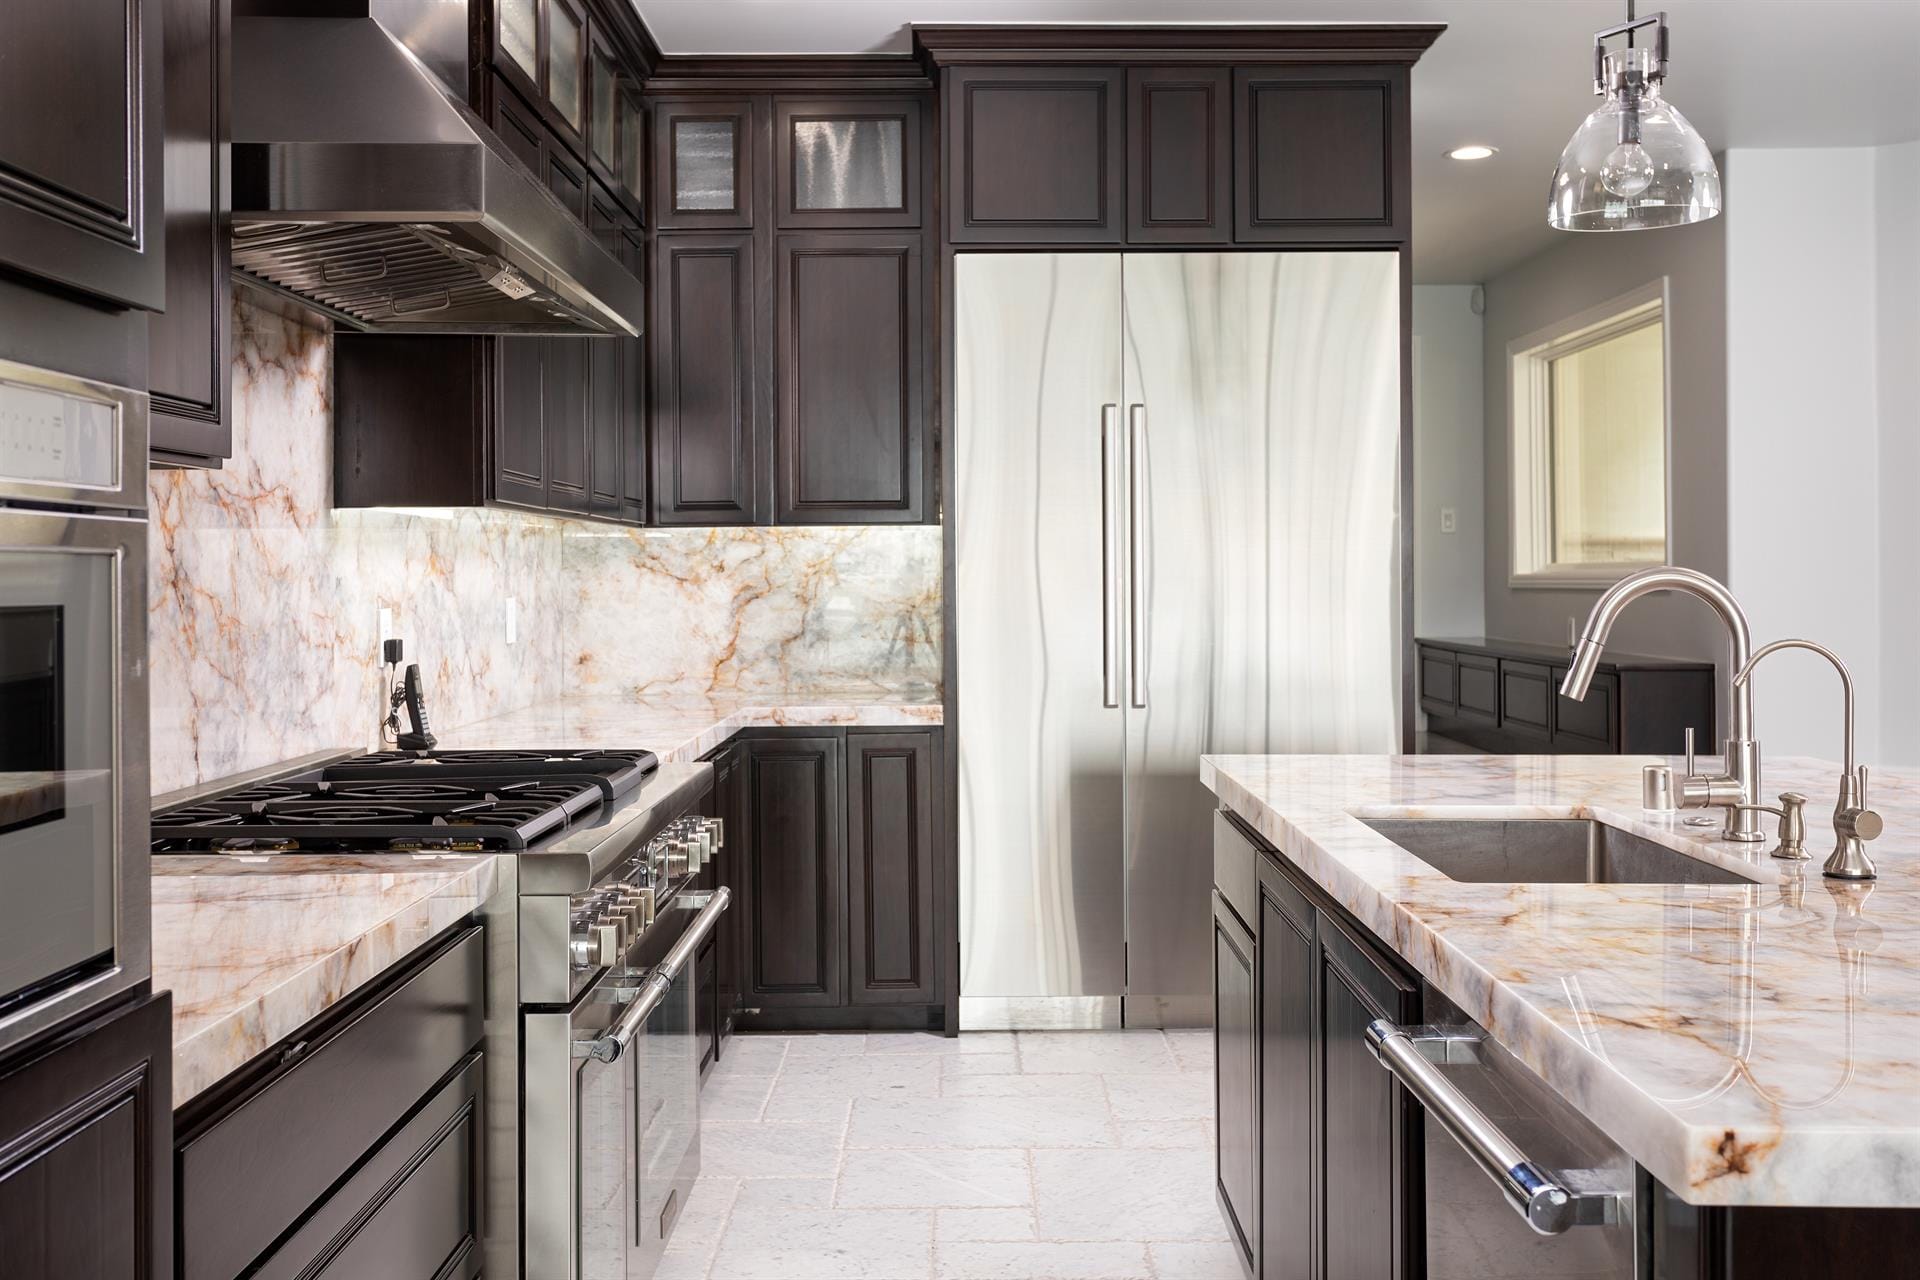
1474	151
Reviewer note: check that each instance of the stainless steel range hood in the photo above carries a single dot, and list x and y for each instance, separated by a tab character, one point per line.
364	186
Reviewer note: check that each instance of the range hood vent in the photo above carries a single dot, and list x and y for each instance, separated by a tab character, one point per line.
364	187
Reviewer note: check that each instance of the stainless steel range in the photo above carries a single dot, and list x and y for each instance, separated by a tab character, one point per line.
593	1078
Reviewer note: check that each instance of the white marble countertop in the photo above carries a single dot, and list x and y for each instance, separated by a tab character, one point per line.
1747	1044
680	729
255	947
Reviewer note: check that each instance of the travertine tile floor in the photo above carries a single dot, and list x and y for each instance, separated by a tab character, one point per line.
1074	1155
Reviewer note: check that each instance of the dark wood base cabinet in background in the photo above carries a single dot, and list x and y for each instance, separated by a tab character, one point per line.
86	1142
839	898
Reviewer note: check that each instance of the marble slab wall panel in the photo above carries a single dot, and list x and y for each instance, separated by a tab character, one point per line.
264	601
842	611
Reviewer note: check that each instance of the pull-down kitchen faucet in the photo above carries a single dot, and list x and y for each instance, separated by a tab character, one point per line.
1738	787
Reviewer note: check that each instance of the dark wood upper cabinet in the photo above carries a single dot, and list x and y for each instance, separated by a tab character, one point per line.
1322	154
564	66
518	125
603	108
1034	154
891	812
795	908
633	396
189	346
616	386
847	162
1179	155
706	153
86	1143
631	137
81	153
706	417
852	385
515	44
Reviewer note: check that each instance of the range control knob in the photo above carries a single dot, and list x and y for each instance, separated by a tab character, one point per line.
597	945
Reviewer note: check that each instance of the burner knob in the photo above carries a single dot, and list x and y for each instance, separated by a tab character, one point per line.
598	945
716	831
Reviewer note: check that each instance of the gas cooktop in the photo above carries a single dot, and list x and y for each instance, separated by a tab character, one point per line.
501	801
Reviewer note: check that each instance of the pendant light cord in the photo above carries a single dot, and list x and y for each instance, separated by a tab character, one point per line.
1629	21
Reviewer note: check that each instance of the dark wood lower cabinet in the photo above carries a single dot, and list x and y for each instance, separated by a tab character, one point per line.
1317	1138
795	886
1371	1179
890	867
86	1123
354	1148
833	852
1236	1076
1289	1218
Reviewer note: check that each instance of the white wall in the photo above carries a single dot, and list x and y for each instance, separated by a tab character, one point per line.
1897	248
1804	550
1449	596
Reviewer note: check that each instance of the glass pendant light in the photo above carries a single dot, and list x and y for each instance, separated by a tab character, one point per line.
1636	162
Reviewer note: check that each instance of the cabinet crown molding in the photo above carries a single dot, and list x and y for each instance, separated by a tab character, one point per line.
956	44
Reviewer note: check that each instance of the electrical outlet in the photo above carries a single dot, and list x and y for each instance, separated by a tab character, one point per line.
513	620
1448	522
386	622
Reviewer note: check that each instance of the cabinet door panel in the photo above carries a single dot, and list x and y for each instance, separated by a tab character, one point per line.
606	380
796	884
1319	149
1236	1078
1369	1136
1179	155
519	128
87	1152
519	422
633	395
189	363
81	174
1289	1213
847	162
890	816
1034	154
565	386
852	387
566	67
704	381
706	153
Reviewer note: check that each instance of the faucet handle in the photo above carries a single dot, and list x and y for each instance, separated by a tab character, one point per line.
1689	751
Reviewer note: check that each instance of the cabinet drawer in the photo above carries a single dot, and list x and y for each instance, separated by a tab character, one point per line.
1526	697
1439	673
1236	869
413	1209
1477	683
256	1165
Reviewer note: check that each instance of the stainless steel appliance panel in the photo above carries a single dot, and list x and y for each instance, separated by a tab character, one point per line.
1262	412
1036	525
74	916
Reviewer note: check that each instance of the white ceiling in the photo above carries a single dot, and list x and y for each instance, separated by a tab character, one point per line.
1510	73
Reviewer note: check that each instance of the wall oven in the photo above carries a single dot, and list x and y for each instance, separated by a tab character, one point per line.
74	927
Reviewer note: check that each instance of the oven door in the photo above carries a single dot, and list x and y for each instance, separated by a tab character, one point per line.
612	1109
74	924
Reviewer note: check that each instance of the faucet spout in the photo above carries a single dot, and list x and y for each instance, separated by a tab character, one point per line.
1739	787
1614	600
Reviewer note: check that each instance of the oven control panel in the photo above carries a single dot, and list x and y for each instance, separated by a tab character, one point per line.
605	921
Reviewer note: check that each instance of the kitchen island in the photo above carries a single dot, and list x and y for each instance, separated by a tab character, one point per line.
1747	1043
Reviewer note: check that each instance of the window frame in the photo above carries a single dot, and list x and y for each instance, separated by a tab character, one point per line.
1530	544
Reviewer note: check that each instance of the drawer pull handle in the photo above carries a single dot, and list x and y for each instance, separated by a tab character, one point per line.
1545	1200
614	1041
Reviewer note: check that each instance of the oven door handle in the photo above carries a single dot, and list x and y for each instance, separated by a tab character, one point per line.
1549	1205
613	1042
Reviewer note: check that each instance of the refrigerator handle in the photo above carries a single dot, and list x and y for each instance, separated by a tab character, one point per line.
1109	555
1137	553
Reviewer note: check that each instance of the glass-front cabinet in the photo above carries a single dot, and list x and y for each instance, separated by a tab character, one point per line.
633	146
706	164
566	84
847	162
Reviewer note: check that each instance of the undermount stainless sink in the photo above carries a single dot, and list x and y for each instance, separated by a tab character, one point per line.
1545	851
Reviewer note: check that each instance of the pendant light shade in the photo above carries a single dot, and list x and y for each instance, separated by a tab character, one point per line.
1635	163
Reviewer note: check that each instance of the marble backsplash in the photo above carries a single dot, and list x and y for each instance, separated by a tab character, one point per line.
264	602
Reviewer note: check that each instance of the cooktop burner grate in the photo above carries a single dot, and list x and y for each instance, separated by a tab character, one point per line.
615	773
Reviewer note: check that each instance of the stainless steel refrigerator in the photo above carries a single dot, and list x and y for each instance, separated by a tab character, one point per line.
1176	510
